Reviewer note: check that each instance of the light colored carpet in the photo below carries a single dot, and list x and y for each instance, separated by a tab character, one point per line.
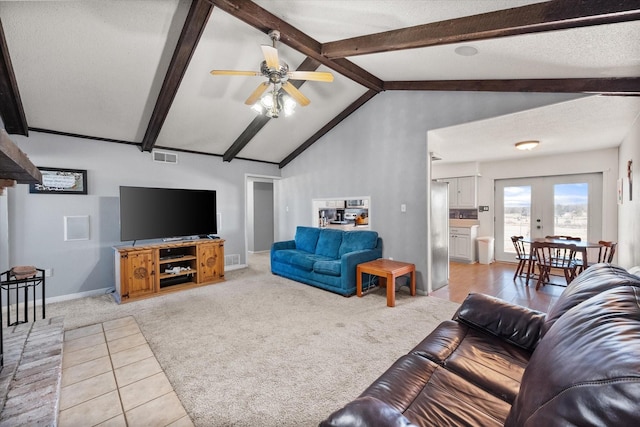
262	350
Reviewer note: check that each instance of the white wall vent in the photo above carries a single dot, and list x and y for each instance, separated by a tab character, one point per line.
233	259
164	157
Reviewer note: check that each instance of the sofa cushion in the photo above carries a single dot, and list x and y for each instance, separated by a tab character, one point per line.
357	241
593	281
329	242
489	362
585	369
430	395
297	258
307	238
331	268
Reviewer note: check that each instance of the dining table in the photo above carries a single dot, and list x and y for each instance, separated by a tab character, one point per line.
580	245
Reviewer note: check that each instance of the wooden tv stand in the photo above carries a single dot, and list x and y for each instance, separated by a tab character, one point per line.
150	270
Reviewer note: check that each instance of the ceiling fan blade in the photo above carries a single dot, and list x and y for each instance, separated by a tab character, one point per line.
234	73
317	76
271	56
257	93
296	94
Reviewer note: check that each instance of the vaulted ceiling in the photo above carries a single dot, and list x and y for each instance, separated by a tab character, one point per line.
137	72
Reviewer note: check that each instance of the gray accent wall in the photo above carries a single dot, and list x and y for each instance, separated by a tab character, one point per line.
381	150
35	231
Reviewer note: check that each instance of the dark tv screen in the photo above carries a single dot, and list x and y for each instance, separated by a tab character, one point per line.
153	213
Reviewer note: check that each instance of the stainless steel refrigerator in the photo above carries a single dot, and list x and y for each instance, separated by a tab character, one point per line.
439	207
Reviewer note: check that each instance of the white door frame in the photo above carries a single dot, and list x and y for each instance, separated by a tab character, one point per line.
542	208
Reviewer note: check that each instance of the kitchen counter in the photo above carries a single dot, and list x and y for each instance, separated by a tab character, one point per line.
453	222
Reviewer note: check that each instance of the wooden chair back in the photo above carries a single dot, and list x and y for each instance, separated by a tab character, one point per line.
518	244
607	251
555	256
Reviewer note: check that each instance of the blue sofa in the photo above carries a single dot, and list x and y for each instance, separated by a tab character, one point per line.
325	257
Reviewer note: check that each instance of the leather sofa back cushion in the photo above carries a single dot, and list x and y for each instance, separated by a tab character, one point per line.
329	242
591	282
585	370
357	241
307	238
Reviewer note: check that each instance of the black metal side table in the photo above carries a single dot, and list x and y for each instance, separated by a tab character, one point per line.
13	285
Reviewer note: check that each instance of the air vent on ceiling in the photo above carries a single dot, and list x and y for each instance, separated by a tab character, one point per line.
164	157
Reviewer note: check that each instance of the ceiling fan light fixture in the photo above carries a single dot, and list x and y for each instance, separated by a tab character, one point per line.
289	106
527	145
274	102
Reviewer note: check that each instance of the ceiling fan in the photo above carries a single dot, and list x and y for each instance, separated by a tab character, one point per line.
278	76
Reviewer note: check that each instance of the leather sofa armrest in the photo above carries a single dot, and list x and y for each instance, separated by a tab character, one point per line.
518	325
367	411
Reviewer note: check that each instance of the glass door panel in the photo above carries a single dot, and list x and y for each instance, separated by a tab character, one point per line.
567	205
571	210
516	214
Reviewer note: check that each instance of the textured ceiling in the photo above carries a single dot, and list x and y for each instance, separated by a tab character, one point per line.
96	69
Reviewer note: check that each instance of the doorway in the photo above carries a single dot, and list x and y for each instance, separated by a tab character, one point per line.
259	214
568	205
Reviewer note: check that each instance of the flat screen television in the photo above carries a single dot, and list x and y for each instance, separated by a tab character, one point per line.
154	213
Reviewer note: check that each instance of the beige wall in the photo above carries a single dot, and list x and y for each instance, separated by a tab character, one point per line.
629	211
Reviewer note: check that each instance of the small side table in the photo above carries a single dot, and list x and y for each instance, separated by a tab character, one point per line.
14	285
388	270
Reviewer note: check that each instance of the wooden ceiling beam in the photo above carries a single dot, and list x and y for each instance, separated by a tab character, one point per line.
191	31
309	64
609	86
326	128
534	18
11	109
265	21
14	163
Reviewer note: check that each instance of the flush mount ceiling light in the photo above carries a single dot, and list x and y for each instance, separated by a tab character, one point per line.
466	50
527	145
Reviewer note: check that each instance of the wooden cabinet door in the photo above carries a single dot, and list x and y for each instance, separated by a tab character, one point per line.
210	262
138	274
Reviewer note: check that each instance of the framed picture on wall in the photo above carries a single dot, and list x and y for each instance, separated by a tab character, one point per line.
61	181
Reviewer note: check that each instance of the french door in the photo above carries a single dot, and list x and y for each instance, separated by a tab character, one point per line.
568	205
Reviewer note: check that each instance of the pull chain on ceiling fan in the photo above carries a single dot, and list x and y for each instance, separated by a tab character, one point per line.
274	101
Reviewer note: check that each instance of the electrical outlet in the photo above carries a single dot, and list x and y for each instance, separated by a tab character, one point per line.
403	208
48	272
391	258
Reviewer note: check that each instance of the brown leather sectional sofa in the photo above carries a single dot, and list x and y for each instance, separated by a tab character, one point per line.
500	364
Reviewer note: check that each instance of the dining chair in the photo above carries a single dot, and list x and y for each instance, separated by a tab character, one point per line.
553	256
522	256
606	251
569	238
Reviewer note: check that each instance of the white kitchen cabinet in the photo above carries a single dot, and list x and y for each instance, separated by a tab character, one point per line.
462	244
462	192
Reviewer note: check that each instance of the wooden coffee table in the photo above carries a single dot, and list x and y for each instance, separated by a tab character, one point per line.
387	270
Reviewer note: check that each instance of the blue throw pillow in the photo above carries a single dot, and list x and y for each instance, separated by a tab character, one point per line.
329	242
307	238
357	241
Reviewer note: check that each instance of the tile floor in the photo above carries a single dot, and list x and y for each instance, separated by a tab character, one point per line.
110	377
